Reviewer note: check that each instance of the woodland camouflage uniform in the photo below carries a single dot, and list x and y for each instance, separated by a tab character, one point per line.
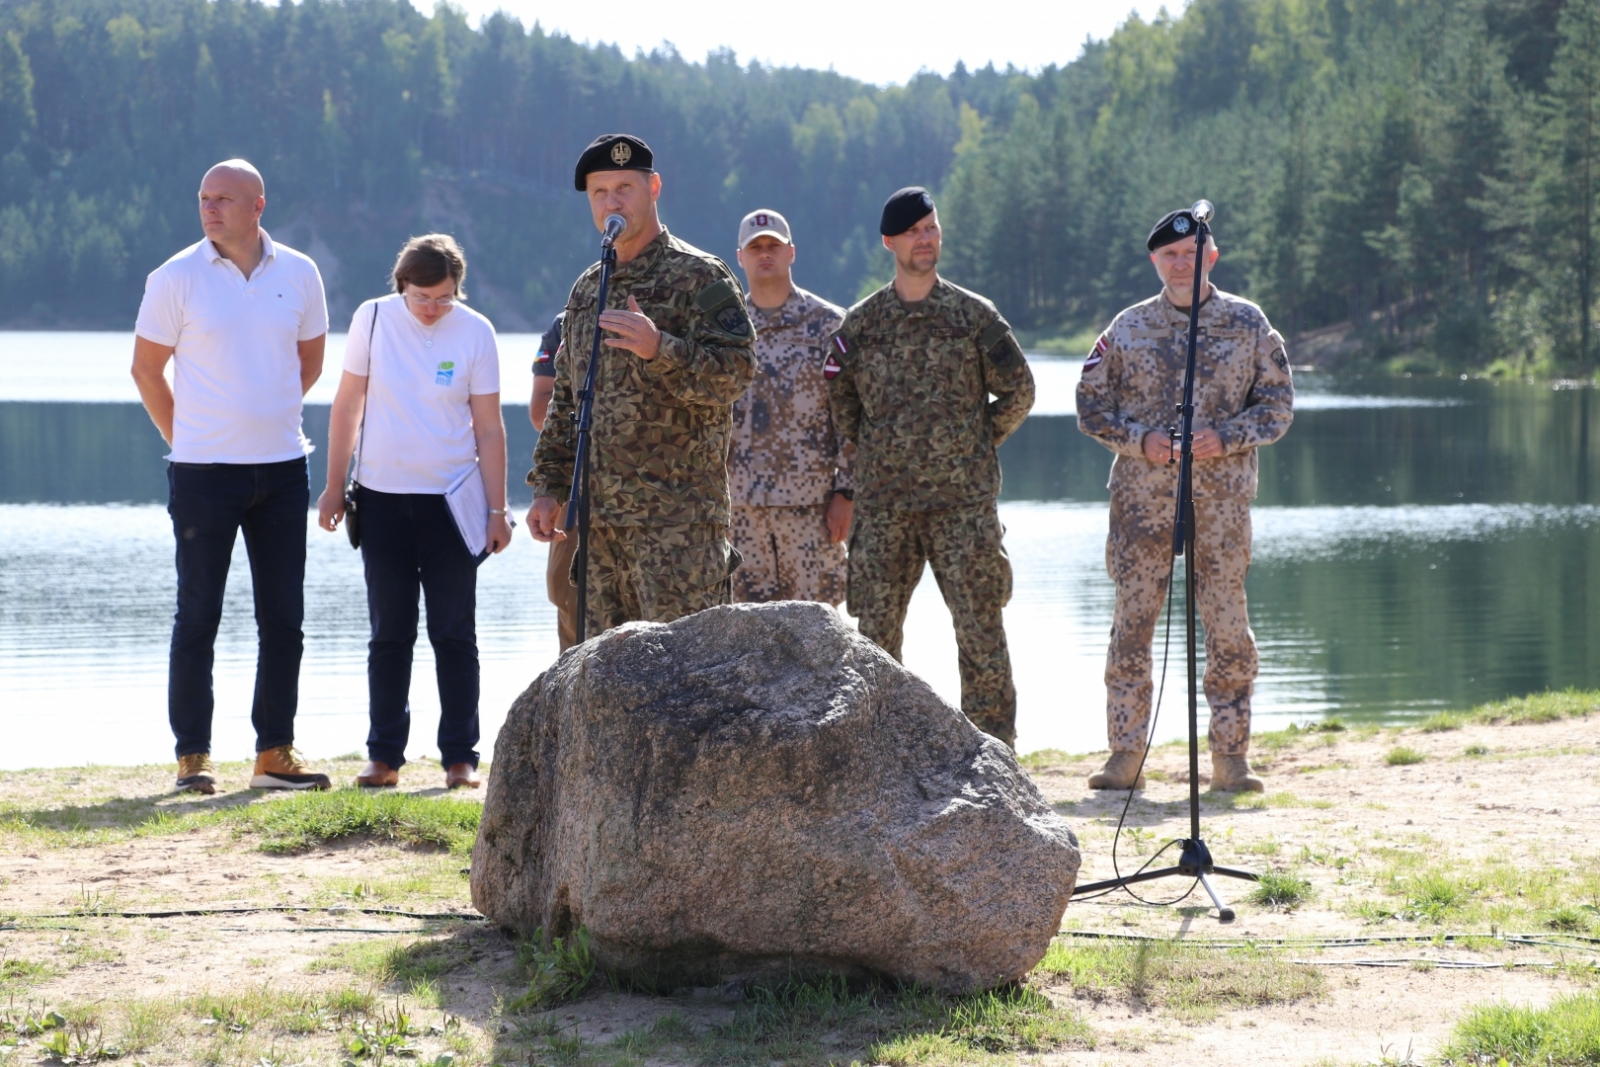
910	386
658	545
1132	383
788	458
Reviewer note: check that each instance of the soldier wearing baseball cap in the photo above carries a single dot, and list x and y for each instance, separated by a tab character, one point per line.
910	373
674	356
789	468
1131	382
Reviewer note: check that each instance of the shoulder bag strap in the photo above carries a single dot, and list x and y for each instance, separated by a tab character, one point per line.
361	435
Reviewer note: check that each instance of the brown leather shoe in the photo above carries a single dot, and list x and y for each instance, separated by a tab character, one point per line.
461	776
378	775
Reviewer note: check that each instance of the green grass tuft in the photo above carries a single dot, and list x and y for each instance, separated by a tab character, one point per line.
1539	707
557	973
1403	756
1476	750
1280	891
1190	981
1565	1034
1444	720
304	820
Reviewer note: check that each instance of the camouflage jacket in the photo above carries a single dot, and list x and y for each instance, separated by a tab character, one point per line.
1133	383
659	438
786	450
910	385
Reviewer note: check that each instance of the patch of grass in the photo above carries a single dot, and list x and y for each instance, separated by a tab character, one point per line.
1280	891
304	820
1539	707
1443	721
1433	895
398	961
1003	1022
1191	982
17	973
1565	1034
1402	756
1475	750
557	972
1045	758
1572	919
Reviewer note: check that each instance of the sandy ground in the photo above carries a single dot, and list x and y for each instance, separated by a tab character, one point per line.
1335	814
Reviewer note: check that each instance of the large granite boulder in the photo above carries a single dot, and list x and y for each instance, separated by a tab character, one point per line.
758	790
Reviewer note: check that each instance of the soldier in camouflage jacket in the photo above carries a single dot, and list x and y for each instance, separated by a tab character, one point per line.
910	374
789	470
675	356
1244	398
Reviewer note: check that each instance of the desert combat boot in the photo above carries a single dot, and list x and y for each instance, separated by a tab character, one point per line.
1231	774
1124	770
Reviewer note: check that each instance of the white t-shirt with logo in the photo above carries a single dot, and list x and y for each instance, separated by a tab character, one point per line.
236	364
419	422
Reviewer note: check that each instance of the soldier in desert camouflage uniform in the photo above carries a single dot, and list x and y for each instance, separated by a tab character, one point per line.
1244	398
789	470
675	358
910	375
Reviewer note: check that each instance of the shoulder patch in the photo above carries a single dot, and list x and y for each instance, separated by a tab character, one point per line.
1098	353
841	344
722	304
831	368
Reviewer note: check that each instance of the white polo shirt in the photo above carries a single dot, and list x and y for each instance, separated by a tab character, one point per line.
236	368
420	381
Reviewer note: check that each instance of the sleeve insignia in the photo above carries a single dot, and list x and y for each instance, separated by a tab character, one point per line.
1281	358
831	367
1099	352
839	343
733	322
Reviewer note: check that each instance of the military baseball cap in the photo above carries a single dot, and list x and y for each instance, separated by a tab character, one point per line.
763	221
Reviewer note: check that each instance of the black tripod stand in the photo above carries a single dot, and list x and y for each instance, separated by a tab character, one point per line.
578	498
1194	861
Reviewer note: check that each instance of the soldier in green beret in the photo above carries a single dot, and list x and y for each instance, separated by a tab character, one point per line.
675	355
910	373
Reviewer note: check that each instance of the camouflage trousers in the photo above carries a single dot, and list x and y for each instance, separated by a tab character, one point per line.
559	588
787	555
1139	560
888	548
656	573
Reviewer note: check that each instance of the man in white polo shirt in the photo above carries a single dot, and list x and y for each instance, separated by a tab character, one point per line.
244	321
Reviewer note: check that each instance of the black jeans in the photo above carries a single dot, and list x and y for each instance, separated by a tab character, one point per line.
209	504
409	543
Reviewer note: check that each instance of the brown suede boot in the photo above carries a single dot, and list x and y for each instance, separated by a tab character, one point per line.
1231	774
1119	772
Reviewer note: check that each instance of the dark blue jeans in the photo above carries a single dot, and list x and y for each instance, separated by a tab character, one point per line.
410	544
209	504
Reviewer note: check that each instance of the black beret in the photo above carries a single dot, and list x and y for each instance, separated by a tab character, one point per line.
612	151
904	209
1174	226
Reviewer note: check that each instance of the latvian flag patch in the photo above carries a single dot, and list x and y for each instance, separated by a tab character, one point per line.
831	367
1099	352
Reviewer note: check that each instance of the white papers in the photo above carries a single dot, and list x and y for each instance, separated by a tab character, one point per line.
469	506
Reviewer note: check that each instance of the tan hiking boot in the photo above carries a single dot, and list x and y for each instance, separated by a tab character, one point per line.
284	768
1119	772
196	774
1231	774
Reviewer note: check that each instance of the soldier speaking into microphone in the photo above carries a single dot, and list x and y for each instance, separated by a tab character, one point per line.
910	375
674	357
1127	398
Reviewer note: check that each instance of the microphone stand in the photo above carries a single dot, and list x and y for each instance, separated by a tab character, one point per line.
1194	861
578	497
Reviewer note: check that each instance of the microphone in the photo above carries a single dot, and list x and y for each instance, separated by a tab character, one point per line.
615	224
1202	211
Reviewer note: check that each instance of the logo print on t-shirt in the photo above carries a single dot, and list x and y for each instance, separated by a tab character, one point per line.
445	374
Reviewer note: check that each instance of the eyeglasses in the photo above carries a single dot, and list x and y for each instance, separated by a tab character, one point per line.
430	301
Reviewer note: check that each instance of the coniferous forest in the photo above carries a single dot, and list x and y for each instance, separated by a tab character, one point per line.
1411	181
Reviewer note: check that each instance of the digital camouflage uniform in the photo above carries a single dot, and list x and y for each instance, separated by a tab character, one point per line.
1132	384
658	461
787	459
910	385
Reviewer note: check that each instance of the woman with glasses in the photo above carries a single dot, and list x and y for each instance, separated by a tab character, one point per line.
421	393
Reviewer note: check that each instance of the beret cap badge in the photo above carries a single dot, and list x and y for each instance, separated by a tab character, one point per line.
621	152
1180	223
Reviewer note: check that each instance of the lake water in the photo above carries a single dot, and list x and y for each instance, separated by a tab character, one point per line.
1420	544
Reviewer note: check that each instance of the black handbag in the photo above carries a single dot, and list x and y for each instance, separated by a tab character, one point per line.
352	510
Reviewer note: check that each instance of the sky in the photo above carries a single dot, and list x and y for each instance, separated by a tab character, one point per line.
877	41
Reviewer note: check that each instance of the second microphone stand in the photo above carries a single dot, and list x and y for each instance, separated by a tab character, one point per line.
1194	861
578	498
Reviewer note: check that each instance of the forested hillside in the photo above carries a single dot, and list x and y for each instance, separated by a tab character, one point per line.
1421	172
